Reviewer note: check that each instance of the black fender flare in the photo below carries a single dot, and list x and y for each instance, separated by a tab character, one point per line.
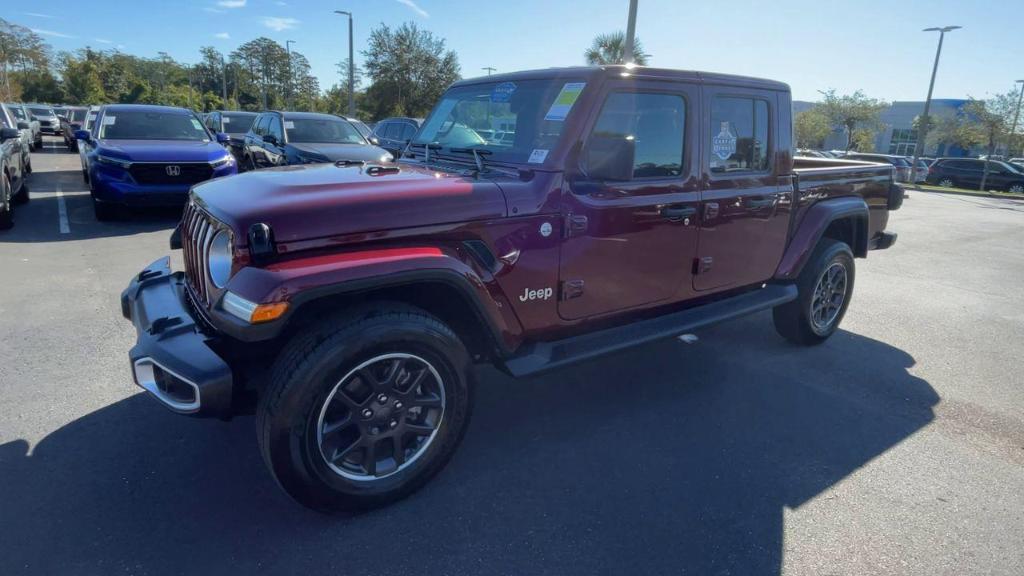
813	225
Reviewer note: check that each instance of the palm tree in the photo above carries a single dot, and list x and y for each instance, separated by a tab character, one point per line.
608	49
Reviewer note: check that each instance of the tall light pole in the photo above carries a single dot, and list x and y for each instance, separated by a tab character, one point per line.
224	80
1016	116
351	68
922	132
489	69
627	50
288	48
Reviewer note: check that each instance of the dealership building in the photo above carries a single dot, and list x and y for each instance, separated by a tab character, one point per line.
898	135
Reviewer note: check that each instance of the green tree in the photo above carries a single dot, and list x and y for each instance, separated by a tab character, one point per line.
812	128
408	68
853	112
610	49
82	84
24	57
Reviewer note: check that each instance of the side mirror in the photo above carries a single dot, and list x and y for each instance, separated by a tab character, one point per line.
8	133
23	126
609	158
270	139
83	135
223	138
374	140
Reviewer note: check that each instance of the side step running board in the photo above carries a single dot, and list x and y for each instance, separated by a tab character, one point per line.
544	356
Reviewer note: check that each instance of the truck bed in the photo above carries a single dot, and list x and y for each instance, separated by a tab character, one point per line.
817	179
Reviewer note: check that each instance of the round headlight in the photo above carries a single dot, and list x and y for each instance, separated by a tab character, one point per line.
219	262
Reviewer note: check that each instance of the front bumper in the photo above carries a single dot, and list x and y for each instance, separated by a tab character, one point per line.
172	358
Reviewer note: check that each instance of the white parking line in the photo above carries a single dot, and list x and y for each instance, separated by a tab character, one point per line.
62	208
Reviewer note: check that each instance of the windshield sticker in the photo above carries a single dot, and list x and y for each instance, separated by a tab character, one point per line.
563	102
109	120
288	124
502	92
537	156
226	120
196	124
724	145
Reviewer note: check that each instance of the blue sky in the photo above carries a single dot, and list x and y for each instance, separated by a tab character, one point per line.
873	45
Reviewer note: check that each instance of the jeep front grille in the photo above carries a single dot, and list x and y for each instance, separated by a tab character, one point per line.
197	230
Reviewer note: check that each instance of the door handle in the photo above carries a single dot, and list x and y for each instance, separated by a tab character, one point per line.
760	203
677	213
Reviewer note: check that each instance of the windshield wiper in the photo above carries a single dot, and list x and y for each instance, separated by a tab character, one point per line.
477	153
427	147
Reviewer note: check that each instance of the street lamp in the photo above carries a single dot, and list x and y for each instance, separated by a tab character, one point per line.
288	48
627	50
489	69
1016	116
351	68
922	132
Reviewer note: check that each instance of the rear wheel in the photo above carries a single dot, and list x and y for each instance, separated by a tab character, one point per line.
1016	188
22	197
825	286
6	206
364	408
947	182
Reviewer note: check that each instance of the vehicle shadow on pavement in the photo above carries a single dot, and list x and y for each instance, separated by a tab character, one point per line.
672	458
40	219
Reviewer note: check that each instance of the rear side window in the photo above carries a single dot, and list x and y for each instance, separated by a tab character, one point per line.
655	122
380	129
394	131
408	131
739	134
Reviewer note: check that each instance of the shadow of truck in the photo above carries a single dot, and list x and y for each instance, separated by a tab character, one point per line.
667	459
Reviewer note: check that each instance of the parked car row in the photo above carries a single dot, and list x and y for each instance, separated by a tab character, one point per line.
15	164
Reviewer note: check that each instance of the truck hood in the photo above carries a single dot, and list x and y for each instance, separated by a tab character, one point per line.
325	200
162	150
335	152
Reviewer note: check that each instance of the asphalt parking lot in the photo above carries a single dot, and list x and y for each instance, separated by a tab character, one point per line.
895	448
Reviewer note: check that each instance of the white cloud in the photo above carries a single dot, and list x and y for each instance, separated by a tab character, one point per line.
222	35
213	10
414	7
103	41
279	24
231	3
38	15
52	33
281	3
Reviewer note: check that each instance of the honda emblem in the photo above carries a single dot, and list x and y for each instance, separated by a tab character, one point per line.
174	170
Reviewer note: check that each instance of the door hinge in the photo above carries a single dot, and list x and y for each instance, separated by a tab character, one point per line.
571	289
575	225
702	265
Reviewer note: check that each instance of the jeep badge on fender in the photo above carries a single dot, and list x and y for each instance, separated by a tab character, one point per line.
373	287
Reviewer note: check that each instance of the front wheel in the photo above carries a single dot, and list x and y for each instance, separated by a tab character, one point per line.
1016	188
825	286
947	183
364	408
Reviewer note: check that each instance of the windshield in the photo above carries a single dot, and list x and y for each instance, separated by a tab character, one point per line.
91	119
362	128
237	123
18	112
78	115
1011	167
518	122
900	162
139	125
322	131
41	111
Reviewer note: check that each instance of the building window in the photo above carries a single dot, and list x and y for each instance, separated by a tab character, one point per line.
904	142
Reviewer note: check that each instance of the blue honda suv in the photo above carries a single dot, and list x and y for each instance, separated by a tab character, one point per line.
141	155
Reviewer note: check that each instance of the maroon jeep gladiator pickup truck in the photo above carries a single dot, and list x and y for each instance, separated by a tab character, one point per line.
537	219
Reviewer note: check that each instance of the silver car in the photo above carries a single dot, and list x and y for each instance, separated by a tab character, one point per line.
21	114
